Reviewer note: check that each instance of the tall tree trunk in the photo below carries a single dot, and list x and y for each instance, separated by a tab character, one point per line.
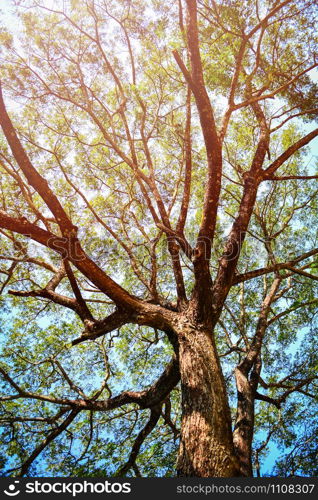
244	426
247	375
206	445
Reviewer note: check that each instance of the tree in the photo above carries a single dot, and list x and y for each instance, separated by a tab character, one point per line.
156	194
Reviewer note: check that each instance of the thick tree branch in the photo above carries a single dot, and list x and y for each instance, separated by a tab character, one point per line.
252	178
62	300
34	178
71	249
256	344
81	304
100	328
211	140
48	292
146	398
268	173
188	167
267	399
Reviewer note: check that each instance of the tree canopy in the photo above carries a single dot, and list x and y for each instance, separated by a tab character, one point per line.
158	238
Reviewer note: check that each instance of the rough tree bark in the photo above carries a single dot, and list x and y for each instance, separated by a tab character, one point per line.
206	445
